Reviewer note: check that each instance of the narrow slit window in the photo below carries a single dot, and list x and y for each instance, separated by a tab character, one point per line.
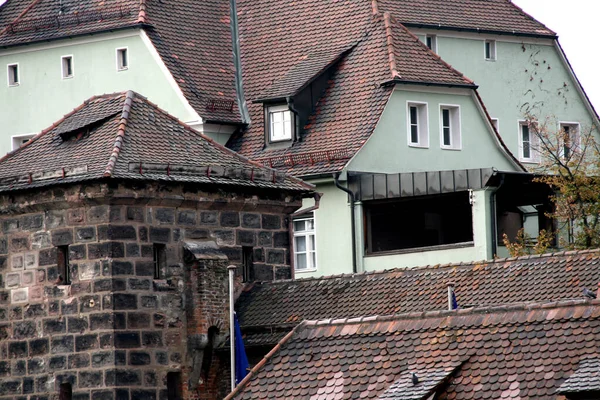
247	262
431	42
65	391
447	129
450	136
527	143
13	75
570	139
67	67
122	59
160	259
418	131
414	125
62	263
490	50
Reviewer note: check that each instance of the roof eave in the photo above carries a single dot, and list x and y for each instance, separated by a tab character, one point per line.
485	31
397	81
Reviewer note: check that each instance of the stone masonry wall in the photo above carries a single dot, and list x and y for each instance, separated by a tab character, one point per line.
115	331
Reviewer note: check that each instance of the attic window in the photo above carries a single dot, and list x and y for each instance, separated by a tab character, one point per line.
67	67
490	50
13	75
431	42
280	123
122	59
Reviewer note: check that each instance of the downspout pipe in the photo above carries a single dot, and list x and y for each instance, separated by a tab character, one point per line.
317	197
494	211
352	218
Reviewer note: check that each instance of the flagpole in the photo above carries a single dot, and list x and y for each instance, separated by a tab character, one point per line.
231	270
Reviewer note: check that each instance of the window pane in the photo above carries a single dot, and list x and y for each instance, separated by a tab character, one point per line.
301	243
313	260
312	242
526	150
414	134
525	133
488	50
429	42
299	226
447	136
446	118
413	115
301	261
310	224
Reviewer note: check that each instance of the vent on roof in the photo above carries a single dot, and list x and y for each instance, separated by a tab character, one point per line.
219	105
81	127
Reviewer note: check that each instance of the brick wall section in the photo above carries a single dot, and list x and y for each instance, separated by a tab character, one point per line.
115	332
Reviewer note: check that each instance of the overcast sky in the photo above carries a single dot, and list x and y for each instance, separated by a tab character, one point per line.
576	23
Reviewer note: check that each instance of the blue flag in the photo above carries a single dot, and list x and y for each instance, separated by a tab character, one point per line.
241	361
454	302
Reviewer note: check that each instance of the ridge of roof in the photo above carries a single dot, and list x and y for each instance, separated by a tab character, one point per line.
112	160
435	267
531	17
142	19
449	315
390	45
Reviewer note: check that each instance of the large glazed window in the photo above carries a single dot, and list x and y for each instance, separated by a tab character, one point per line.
418	222
527	143
305	244
280	123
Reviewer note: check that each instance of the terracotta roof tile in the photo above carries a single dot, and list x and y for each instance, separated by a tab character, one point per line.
453	355
586	378
500	16
526	279
125	136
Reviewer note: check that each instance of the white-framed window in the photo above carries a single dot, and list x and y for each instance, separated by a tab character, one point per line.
280	123
527	143
14	77
569	139
122	59
489	49
417	124
19	140
305	244
66	66
450	137
431	42
496	124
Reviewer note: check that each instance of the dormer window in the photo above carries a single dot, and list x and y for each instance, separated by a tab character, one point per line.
280	123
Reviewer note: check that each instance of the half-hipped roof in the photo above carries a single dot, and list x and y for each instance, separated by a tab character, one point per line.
124	136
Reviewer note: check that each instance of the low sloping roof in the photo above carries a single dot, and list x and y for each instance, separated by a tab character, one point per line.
193	39
276	40
585	379
499	16
523	351
525	279
124	136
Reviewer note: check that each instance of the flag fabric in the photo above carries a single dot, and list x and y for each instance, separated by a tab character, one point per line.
241	361
454	302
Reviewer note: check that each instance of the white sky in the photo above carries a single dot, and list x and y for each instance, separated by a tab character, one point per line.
576	23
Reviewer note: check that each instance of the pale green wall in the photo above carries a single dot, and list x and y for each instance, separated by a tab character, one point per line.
334	240
43	96
387	151
481	250
514	80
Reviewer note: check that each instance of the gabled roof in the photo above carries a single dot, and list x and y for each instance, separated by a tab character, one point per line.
525	279
484	16
124	136
522	351
276	41
193	39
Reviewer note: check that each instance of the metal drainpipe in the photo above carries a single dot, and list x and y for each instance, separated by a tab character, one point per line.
495	217
317	197
352	222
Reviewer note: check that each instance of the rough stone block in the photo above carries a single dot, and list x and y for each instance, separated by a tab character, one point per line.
90	379
271	221
117	232
77	361
28	386
132	250
246	238
265	239
24	329
144	268
17	349
19	295
123	377
57	363
3	263
62	344
86	342
89	303
54	325
36	293
127	340
30	260
135	214
62	237
76	216
261	272
13	279
17	262
28	278
165	216
32	222
124	301
69	306
35	366
143	234
209	217
33	311
77	252
3	246
187	217
224	237
10	225
88	270
40	240
98	214
152	339
47	257
138	320
230	219
139	284
55	218
38	347
85	234
139	358
77	324
19	368
159	235
251	221
149	301
275	257
281	239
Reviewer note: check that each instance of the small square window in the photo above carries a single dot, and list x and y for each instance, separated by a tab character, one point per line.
431	42
418	129
160	259
67	67
62	263
122	59
527	142
490	50
569	139
280	123
13	75
305	244
450	127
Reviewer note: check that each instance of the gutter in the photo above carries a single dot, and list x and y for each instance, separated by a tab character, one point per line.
352	218
477	30
317	197
494	212
424	83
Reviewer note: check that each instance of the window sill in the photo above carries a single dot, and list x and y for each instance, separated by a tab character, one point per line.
122	69
528	161
490	59
67	77
302	271
451	148
417	146
440	247
15	85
